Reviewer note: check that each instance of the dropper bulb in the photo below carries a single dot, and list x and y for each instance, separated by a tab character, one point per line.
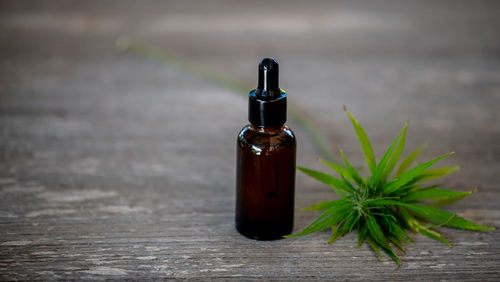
268	78
267	103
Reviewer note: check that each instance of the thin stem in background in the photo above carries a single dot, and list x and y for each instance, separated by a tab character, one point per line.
297	115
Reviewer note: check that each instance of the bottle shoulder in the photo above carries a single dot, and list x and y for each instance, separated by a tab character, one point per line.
248	136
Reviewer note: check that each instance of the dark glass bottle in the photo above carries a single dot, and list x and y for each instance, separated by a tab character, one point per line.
266	148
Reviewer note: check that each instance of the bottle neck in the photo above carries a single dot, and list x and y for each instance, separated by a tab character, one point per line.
267	129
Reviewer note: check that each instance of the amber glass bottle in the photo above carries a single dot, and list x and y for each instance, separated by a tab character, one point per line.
266	148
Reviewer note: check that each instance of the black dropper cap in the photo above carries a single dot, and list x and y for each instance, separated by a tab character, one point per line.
267	103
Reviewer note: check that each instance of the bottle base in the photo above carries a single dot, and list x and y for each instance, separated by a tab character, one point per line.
264	231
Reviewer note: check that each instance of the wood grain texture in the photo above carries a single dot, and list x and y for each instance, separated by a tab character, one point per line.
115	166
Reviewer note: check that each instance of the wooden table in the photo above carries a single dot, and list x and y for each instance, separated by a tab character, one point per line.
115	165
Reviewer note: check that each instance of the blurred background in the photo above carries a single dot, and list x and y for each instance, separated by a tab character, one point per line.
126	112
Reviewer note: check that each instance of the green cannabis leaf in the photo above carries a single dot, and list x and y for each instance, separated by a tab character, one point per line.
383	209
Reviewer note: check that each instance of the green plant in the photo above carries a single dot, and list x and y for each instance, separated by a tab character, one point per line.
383	209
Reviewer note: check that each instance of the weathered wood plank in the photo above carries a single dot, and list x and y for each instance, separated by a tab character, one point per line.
114	166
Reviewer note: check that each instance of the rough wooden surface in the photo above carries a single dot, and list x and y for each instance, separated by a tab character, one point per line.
115	166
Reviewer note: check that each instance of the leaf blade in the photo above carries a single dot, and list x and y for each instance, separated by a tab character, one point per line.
439	194
363	140
327	179
397	153
410	174
378	235
374	246
357	178
377	175
321	206
434	235
330	217
342	171
437	172
438	216
415	226
406	163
